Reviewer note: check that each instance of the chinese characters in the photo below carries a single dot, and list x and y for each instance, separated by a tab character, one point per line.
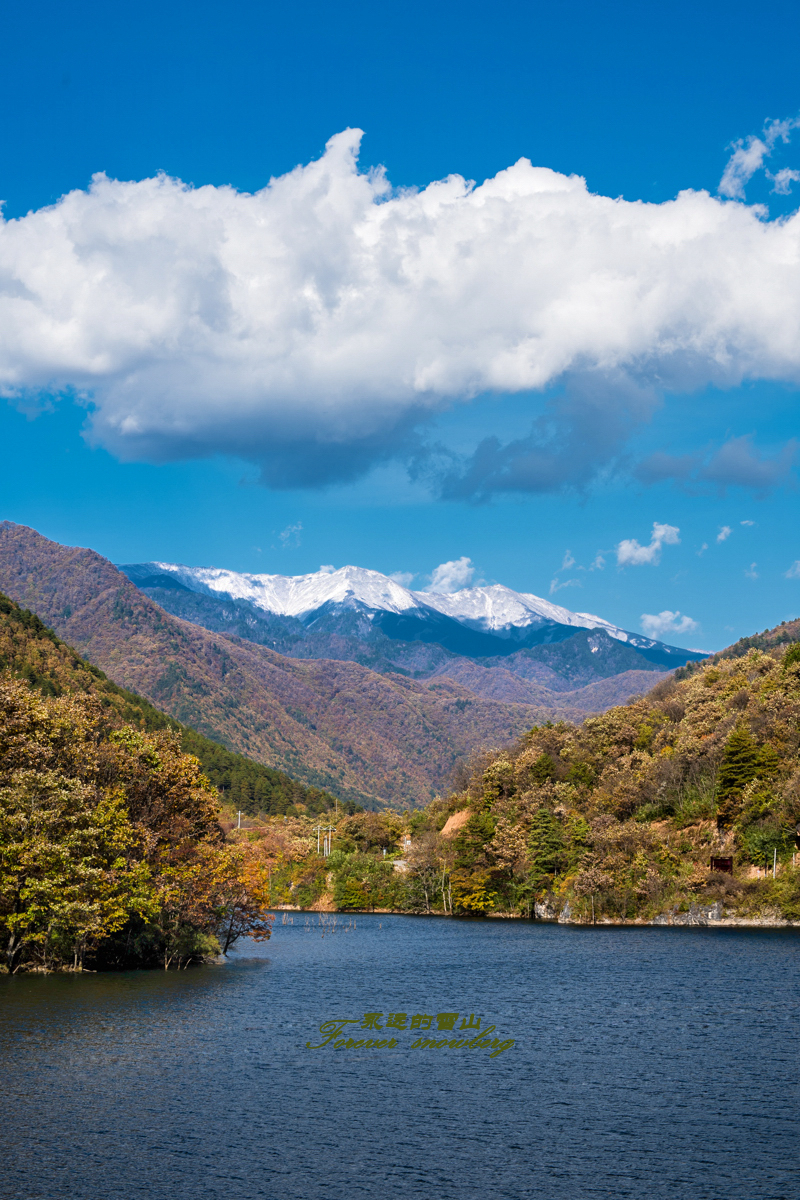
377	1031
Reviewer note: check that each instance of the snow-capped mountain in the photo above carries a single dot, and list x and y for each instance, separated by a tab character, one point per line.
291	595
491	609
474	622
499	609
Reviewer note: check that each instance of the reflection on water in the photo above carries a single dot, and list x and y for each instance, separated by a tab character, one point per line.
648	1063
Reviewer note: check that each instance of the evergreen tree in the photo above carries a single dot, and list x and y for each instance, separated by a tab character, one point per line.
543	769
791	656
740	764
547	844
470	843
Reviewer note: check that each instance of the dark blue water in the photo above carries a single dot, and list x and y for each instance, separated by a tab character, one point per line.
648	1063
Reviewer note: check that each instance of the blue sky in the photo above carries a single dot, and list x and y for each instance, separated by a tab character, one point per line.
217	435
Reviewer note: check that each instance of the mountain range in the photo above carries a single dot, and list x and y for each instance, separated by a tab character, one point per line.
330	695
494	640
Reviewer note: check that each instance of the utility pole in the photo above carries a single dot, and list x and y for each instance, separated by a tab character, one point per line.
327	842
326	831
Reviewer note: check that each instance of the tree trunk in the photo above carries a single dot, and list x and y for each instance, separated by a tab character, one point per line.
13	953
229	938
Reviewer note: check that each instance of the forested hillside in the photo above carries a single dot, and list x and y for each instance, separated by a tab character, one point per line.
111	848
616	819
31	651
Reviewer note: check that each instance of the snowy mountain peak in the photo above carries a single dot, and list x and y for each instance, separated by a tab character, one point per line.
494	609
296	595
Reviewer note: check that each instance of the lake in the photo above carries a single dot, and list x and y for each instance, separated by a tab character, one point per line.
647	1063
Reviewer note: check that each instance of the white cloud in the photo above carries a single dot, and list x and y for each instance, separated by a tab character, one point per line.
748	157
782	181
404	578
702	550
451	576
327	569
656	625
568	562
751	571
631	554
310	327
794	570
724	533
290	536
747	522
557	584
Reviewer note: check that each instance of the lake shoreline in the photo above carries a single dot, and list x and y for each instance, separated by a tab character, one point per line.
697	917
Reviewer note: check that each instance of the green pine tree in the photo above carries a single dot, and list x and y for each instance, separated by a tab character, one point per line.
740	765
547	844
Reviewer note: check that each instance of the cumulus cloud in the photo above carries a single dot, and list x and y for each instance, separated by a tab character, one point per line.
314	326
451	576
737	463
751	571
782	181
631	554
724	533
748	158
404	578
657	625
794	570
580	433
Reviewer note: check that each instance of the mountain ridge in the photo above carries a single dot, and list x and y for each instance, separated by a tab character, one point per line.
366	737
493	608
359	615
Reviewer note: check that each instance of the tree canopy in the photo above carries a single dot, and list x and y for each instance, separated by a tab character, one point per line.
111	849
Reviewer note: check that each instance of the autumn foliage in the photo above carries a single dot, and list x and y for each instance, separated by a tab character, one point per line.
616	819
111	849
